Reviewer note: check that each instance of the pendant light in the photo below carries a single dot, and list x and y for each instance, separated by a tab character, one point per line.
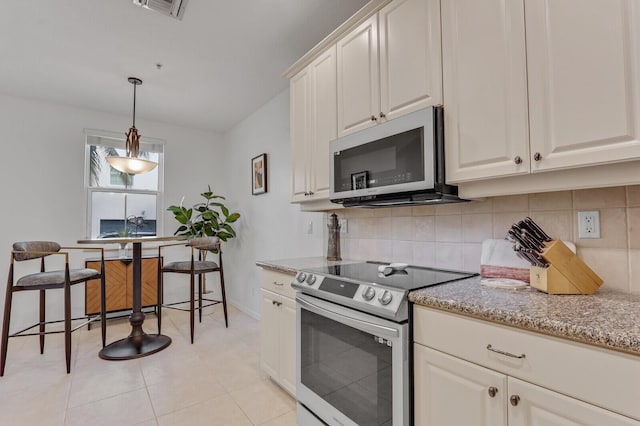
132	164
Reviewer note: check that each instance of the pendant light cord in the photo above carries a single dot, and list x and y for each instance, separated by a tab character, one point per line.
134	104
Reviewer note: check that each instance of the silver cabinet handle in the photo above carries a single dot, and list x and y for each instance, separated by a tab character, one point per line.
537	156
277	283
382	114
492	391
517	160
514	400
374	118
490	348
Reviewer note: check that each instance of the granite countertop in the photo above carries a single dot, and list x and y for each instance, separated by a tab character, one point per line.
292	266
607	318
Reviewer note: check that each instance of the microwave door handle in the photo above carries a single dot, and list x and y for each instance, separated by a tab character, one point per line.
366	326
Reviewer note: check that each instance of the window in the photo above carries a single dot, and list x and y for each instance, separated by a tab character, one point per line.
118	204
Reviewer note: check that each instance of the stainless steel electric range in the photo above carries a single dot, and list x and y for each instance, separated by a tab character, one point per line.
353	341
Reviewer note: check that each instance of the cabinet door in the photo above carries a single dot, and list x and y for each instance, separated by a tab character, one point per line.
300	124
449	391
287	328
269	321
485	89
410	56
584	77
115	286
149	282
358	81
323	122
542	407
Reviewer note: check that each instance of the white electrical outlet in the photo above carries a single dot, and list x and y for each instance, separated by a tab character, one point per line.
589	224
343	226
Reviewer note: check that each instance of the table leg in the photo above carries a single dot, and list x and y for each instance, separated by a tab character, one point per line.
138	343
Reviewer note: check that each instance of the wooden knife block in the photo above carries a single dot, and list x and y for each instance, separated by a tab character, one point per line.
566	273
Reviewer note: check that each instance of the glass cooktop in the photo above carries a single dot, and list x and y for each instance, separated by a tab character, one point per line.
413	277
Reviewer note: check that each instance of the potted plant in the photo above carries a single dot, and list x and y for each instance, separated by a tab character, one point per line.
212	218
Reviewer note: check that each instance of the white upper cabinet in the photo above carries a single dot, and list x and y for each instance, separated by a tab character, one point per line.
538	85
410	56
300	118
485	88
358	82
389	65
313	125
324	121
583	77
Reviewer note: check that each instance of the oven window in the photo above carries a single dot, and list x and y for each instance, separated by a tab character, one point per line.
348	368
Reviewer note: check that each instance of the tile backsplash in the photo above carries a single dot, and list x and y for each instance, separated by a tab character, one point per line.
451	235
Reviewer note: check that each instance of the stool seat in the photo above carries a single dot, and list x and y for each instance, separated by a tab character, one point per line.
56	279
199	266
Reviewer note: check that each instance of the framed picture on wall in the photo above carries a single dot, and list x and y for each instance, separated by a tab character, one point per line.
259	174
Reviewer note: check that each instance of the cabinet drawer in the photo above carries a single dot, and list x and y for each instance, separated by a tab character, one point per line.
278	282
599	376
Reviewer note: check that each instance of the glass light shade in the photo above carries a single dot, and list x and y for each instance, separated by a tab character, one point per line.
131	165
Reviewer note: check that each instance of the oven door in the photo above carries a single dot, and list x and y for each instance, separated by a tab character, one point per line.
352	368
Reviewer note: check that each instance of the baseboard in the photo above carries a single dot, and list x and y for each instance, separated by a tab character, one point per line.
243	308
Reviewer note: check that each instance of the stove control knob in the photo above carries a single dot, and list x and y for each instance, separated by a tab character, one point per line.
301	277
385	297
368	293
311	279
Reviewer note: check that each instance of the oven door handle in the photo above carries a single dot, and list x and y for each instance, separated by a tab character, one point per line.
366	326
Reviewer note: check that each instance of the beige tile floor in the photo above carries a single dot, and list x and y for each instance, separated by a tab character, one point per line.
215	381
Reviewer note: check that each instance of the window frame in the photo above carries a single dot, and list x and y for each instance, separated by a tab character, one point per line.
119	141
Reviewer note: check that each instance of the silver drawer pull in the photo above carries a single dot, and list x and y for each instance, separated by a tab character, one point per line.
490	348
277	283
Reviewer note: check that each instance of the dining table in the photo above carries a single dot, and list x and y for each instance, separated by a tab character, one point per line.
138	343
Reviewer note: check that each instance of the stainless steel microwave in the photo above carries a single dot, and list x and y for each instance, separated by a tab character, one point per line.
399	162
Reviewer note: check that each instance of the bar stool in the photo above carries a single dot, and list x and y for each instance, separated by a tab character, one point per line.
193	267
48	280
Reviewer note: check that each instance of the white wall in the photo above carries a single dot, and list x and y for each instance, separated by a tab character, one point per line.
270	227
42	169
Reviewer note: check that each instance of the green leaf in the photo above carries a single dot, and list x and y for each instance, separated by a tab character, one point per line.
229	229
208	215
224	236
225	211
233	217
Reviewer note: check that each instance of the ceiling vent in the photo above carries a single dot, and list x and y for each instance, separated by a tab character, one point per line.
172	8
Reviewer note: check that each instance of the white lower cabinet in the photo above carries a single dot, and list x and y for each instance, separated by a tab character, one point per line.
278	321
470	372
533	405
452	392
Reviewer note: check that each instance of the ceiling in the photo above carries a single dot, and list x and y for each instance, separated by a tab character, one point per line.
220	63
